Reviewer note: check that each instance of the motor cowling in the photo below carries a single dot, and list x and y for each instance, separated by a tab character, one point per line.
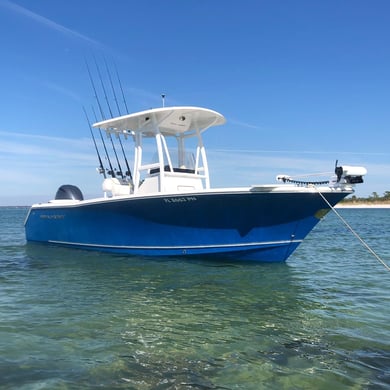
69	192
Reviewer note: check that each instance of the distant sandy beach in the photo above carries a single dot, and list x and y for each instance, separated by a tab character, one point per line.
363	206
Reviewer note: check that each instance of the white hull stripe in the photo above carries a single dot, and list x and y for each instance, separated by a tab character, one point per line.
250	244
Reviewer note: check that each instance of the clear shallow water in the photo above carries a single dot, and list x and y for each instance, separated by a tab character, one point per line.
74	319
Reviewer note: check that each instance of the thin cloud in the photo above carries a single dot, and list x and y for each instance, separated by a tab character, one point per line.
244	124
40	137
332	152
61	160
49	23
62	90
20	148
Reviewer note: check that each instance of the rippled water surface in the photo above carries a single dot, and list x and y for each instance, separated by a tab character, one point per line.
74	319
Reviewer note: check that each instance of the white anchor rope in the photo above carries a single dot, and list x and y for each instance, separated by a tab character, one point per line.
353	232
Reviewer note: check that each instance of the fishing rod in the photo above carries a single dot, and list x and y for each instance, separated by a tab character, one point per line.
101	169
111	171
94	90
112	87
116	155
128	172
103	87
109	108
120	85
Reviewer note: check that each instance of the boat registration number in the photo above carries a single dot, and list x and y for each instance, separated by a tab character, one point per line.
181	199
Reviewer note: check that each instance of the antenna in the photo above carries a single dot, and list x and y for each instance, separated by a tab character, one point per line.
163	99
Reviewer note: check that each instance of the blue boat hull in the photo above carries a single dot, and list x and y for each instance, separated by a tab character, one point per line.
260	226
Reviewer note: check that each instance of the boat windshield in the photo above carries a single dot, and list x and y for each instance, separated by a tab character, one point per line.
184	160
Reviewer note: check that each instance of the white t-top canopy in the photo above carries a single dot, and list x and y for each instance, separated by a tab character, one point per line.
169	121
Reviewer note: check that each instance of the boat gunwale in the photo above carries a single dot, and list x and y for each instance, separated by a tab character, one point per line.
287	189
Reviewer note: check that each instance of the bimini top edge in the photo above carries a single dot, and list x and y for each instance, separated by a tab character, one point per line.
169	121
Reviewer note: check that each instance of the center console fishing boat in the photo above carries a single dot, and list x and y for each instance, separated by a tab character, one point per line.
167	207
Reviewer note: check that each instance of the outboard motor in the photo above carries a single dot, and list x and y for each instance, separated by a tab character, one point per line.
69	192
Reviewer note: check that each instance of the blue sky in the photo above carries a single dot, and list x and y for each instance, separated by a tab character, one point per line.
301	84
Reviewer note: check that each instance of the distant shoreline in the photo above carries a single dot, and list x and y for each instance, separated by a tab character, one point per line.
362	205
14	207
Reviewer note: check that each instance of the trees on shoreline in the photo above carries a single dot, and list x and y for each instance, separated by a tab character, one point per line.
373	198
